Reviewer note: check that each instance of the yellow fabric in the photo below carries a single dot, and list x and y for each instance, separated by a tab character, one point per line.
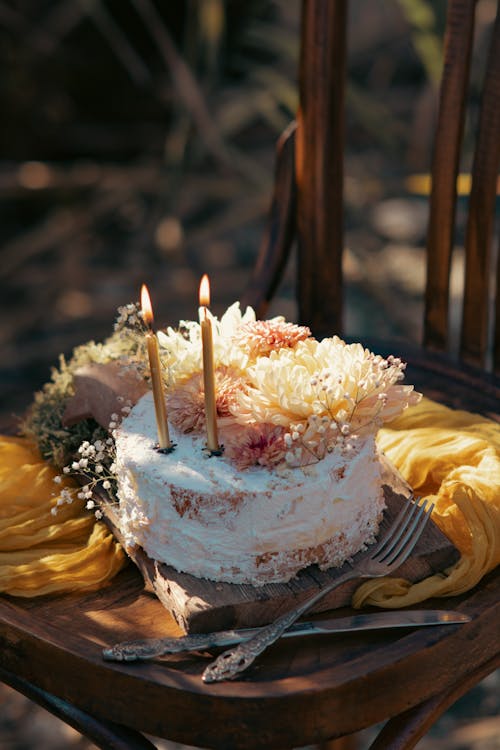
450	456
42	553
453	458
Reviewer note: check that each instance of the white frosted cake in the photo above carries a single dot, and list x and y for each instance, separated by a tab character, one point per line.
206	517
298	481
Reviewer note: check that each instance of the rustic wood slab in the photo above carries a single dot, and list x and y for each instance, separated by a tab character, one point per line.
199	605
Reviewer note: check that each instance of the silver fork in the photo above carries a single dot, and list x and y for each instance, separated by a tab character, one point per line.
380	560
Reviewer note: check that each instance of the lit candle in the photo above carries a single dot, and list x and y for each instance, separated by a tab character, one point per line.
155	368
208	367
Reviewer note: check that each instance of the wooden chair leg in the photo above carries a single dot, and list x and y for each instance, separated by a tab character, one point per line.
106	735
404	731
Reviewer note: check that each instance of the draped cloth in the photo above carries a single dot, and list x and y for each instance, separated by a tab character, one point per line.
42	552
452	457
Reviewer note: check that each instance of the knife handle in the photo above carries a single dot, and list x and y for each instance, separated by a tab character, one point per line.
151	648
232	662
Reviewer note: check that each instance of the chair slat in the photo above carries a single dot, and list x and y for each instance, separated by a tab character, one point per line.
404	731
478	248
496	322
319	164
445	167
278	238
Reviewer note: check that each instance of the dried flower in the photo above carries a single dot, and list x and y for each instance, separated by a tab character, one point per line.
254	445
261	337
186	402
327	378
281	395
97	465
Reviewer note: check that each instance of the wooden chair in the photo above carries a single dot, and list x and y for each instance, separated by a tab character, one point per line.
51	648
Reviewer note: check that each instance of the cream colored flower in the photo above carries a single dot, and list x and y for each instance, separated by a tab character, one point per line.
344	383
181	350
273	373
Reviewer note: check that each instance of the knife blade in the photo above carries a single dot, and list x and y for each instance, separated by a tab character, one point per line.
151	648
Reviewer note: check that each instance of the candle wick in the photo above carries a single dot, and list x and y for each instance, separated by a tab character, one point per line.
209	452
168	449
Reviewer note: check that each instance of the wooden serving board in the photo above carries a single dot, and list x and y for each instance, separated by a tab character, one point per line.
199	605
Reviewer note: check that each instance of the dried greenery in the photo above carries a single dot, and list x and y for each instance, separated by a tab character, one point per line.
44	422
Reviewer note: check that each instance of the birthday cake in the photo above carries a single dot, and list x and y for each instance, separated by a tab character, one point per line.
296	479
279	472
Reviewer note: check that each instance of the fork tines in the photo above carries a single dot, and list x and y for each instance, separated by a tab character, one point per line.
404	532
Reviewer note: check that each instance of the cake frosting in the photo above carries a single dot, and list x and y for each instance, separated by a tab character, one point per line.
298	480
204	516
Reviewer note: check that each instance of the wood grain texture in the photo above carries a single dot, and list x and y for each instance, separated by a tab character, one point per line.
404	731
479	272
294	695
319	164
280	232
445	167
310	691
103	733
496	320
199	605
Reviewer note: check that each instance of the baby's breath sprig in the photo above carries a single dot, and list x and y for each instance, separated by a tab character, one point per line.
346	410
65	496
130	318
95	462
310	442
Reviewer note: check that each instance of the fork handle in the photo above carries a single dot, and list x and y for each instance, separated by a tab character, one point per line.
236	660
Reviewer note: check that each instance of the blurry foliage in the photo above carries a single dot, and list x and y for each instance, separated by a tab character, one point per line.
112	78
427	23
116	79
196	87
191	79
137	138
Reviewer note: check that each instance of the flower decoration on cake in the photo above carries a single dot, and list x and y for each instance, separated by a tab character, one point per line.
282	395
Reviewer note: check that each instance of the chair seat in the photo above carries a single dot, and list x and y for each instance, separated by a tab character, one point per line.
295	694
299	692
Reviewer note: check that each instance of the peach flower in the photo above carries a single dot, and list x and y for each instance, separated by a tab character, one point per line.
186	402
260	337
254	445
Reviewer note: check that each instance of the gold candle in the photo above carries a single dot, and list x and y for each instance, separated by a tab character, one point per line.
155	368
208	367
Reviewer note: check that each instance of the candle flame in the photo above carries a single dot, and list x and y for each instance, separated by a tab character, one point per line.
147	310
204	291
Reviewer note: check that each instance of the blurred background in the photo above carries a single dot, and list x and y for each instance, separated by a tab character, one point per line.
137	145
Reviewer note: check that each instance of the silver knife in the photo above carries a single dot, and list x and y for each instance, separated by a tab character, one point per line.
150	648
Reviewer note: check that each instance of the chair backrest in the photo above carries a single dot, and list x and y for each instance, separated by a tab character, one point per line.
313	207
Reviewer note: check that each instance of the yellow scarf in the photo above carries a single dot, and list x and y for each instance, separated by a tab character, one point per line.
43	553
451	456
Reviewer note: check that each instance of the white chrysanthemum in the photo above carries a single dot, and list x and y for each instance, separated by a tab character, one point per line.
181	350
233	319
224	330
344	383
